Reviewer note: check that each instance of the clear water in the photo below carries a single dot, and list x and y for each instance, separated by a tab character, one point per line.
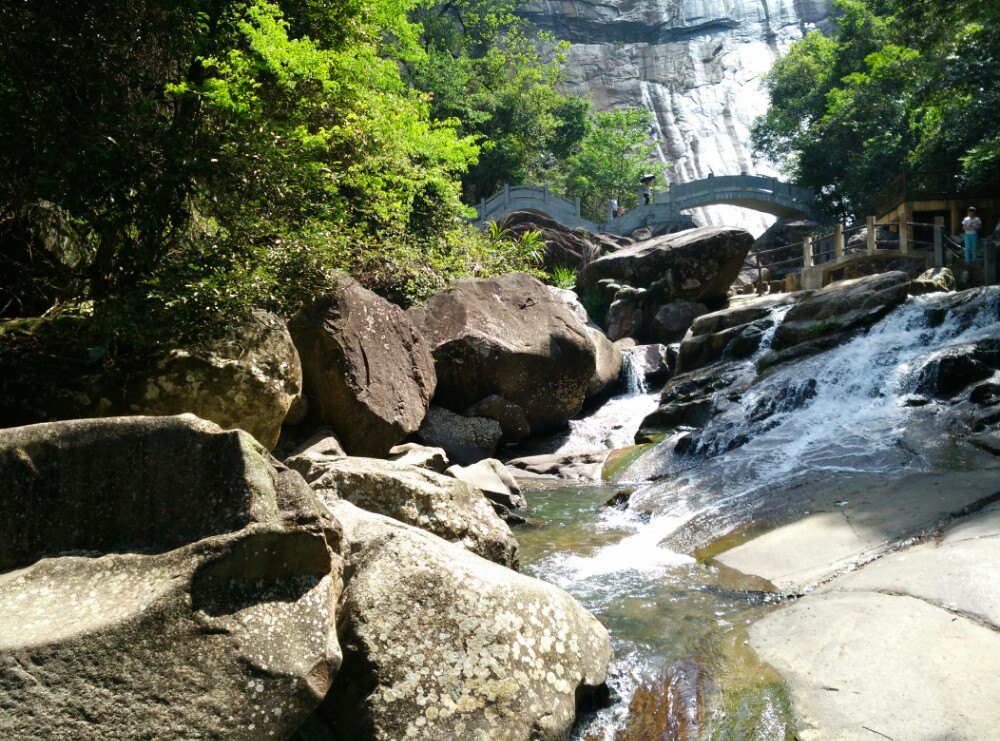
662	606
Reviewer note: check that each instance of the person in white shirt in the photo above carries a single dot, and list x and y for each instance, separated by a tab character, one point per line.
971	225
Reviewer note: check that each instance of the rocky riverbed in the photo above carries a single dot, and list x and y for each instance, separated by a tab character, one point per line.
481	518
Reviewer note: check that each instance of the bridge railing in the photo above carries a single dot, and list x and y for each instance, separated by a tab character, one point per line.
511	194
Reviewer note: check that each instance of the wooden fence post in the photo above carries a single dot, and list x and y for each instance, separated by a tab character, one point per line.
807	253
904	237
838	242
872	235
939	241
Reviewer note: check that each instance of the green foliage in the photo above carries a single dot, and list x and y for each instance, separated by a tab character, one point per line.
596	304
486	68
914	83
561	277
613	155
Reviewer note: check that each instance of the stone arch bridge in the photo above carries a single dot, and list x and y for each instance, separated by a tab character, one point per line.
757	192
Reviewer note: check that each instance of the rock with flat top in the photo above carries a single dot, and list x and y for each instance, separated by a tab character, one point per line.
493	479
421	456
179	583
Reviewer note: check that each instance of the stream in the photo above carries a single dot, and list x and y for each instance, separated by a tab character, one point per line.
677	623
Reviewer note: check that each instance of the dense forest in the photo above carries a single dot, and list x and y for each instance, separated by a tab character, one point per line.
206	157
896	83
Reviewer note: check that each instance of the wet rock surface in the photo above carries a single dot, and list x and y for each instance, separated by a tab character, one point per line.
179	583
439	643
511	337
368	372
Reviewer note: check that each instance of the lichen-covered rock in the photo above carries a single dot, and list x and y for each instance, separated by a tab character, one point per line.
421	456
508	336
442	505
493	479
163	578
464	439
440	644
694	265
247	380
367	371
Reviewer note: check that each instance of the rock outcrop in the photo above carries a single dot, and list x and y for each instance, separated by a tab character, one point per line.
935	280
564	247
608	357
496	483
694	265
672	321
442	505
421	456
367	370
511	337
162	578
439	643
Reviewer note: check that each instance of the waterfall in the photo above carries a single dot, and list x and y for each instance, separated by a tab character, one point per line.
615	423
697	66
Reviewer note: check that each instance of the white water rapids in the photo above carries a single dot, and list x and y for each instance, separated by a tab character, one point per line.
852	413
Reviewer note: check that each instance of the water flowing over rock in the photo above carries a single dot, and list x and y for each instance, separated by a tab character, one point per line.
439	643
696	65
508	336
368	372
179	582
442	505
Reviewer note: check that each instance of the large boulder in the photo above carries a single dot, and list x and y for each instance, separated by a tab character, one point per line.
694	265
464	439
508	336
367	371
608	357
162	578
247	380
512	419
442	505
441	644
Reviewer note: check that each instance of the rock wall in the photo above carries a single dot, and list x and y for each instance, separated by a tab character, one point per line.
697	64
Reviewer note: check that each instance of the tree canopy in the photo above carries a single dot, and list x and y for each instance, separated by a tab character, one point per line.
895	83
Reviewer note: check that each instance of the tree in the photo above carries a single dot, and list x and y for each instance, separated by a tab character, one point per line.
896	83
614	154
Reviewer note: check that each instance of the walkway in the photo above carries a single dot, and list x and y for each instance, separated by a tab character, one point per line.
765	194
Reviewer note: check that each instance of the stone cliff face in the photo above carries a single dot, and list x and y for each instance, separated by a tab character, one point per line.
696	64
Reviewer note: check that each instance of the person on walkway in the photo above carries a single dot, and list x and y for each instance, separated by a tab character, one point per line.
647	189
614	208
971	225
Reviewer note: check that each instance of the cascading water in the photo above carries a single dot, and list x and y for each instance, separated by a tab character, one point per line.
847	411
614	425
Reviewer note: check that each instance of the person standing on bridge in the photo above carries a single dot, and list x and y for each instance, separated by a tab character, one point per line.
971	225
647	189
614	208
